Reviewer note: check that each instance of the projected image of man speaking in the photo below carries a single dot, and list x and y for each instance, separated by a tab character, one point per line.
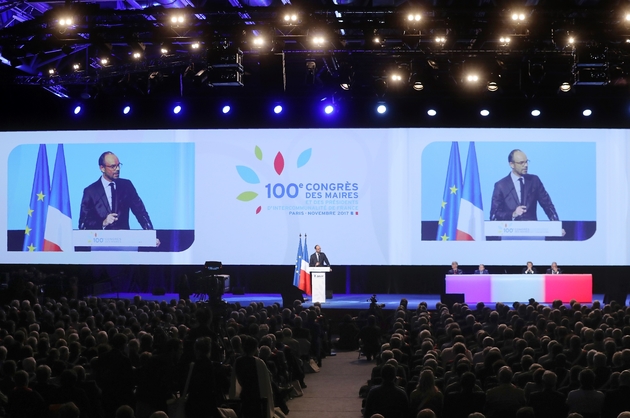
106	202
515	196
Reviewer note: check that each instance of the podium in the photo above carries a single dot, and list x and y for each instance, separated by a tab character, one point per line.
318	283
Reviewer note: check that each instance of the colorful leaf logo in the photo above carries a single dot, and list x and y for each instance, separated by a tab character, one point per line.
304	157
247	196
258	152
247	174
278	163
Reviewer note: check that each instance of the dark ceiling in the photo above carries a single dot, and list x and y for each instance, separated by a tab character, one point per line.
212	51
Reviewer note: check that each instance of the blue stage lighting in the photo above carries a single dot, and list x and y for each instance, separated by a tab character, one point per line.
329	109
177	109
226	109
126	110
277	109
77	110
381	109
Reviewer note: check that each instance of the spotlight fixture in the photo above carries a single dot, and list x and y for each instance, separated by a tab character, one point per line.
535	112
126	110
417	86
587	112
52	71
345	86
440	40
226	109
565	87
136	55
318	40
484	112
518	17
381	109
291	18
195	45
177	109
76	67
431	112
258	41
414	17
77	110
396	77
472	78
104	61
177	19
571	41
492	86
329	109
277	109
66	21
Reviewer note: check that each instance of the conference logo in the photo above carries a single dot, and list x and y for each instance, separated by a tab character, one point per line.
276	190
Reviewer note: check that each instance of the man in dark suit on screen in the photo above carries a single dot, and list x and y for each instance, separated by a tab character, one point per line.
106	202
515	196
482	270
318	258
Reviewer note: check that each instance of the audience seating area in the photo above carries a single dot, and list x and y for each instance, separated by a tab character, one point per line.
97	358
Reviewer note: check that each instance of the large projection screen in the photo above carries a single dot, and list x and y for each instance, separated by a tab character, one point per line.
367	196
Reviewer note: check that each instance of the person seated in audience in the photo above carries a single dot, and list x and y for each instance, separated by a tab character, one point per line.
22	401
586	401
387	399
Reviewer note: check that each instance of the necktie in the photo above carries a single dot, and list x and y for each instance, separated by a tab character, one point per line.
522	187
317	256
113	188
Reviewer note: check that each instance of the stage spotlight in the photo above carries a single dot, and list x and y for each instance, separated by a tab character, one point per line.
258	41
414	17
571	41
431	112
627	17
277	109
126	110
587	112
177	19
195	45
104	61
381	109
418	86
177	109
318	40
344	86
484	112
77	110
291	18
396	77
66	21
535	112
565	87
136	55
76	67
51	72
226	109
492	86
440	40
518	17
472	78
329	109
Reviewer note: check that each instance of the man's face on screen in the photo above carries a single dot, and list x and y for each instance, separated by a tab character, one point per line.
111	169
519	163
318	249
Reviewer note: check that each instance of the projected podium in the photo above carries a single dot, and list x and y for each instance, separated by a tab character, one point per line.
114	240
318	283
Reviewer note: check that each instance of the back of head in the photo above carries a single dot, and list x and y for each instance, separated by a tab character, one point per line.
69	410
388	373
426	413
549	379
525	412
505	375
125	411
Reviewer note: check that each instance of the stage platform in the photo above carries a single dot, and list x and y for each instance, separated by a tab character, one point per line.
354	302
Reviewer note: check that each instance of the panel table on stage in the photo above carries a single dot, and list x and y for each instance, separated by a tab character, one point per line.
509	288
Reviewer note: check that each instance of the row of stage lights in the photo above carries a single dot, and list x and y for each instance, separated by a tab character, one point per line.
328	109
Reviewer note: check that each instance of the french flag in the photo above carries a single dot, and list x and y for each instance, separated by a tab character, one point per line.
470	226
58	235
305	276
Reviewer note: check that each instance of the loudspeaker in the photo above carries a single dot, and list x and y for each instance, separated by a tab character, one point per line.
290	295
238	290
450	298
158	291
329	294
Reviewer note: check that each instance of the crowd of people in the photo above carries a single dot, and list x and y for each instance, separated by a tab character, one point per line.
97	358
528	360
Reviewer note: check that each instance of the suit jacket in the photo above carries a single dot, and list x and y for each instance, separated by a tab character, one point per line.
505	200
95	207
549	271
458	271
484	271
323	260
526	272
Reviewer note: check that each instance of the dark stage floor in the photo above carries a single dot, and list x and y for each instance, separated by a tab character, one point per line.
355	302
